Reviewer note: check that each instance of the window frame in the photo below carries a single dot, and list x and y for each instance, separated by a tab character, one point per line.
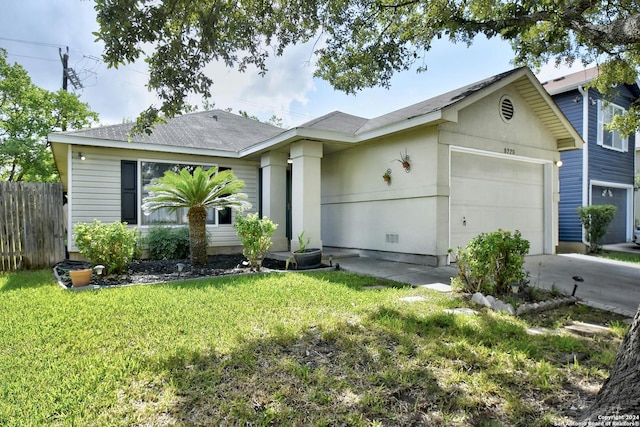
142	194
624	142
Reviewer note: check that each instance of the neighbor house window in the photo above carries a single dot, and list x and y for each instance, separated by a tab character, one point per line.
152	170
610	138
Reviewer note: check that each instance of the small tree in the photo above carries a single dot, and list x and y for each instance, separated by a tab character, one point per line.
197	192
595	220
491	262
255	235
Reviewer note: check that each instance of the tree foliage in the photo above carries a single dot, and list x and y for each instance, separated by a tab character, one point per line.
197	191
360	43
27	114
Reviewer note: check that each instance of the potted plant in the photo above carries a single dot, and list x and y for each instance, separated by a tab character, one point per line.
304	257
80	277
405	160
387	177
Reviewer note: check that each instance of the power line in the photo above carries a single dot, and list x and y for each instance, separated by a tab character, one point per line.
32	57
32	42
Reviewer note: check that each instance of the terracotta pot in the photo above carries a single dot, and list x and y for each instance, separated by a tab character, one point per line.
80	277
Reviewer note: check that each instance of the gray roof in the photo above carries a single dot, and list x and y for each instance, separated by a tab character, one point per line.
214	129
434	104
336	121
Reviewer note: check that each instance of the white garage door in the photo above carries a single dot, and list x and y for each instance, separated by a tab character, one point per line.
489	193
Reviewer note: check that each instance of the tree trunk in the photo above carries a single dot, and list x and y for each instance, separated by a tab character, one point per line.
198	234
620	393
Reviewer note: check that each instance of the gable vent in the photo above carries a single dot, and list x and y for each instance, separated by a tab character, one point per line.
506	109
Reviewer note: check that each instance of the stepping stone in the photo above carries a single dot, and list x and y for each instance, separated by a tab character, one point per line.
586	329
440	287
539	331
468	311
413	299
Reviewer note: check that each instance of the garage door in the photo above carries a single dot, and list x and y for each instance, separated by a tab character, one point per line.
490	193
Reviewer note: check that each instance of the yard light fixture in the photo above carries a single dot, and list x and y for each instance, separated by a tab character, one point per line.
180	267
82	156
99	269
576	280
515	288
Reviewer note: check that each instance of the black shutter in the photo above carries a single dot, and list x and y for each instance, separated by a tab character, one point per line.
129	191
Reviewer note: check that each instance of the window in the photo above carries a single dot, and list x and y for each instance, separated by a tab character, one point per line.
153	170
610	138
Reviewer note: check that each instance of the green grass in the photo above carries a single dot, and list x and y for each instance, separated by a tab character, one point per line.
620	256
278	349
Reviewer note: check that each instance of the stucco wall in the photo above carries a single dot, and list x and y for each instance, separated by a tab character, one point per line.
95	187
359	210
411	216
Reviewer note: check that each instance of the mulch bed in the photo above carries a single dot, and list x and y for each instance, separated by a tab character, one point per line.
157	271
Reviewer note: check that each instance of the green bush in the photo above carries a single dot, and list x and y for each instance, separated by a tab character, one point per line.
491	262
255	235
168	242
112	245
595	220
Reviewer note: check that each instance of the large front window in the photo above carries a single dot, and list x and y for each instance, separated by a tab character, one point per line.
610	138
153	170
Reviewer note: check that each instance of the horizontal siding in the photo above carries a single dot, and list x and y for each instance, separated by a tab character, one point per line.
96	186
606	164
571	181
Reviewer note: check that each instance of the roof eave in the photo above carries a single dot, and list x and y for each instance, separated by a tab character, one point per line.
62	138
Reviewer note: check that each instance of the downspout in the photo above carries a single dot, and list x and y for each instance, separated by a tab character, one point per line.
585	153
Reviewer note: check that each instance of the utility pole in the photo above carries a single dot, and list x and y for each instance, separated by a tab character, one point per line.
68	74
65	65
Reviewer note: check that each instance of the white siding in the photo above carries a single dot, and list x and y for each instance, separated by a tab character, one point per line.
95	187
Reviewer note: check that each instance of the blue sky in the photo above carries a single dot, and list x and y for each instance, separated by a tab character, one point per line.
32	31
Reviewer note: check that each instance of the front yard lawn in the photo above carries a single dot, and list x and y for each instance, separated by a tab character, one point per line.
282	349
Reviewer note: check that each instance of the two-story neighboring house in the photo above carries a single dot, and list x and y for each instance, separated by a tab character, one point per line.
603	171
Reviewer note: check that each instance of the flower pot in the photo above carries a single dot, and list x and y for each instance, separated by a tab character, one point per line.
310	258
80	277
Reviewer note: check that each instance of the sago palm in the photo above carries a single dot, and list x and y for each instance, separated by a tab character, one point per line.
197	192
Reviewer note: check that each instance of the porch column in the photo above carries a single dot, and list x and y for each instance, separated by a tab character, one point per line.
305	192
274	195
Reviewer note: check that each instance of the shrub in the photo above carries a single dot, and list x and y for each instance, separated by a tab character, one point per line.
168	242
255	235
491	262
112	245
595	220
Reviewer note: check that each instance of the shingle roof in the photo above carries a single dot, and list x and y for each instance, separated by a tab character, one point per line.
434	104
214	129
336	121
571	81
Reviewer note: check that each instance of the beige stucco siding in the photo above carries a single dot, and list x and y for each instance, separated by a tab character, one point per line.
360	210
480	126
95	186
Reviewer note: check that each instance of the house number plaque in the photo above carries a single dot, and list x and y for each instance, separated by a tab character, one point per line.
509	151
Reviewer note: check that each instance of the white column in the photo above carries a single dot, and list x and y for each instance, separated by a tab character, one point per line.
305	192
274	195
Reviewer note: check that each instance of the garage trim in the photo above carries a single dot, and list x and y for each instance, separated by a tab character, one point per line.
548	193
629	188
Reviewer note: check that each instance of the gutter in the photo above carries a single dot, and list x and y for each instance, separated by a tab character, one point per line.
585	153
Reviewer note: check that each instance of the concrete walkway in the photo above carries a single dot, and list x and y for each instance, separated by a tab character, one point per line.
610	285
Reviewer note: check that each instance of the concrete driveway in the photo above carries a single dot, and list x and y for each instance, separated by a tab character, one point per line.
608	284
611	285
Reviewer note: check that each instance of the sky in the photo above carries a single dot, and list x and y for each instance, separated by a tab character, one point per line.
33	31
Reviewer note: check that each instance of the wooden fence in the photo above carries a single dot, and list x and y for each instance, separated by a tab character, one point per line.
31	225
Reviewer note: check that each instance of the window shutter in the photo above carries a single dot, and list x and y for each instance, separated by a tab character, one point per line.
129	191
601	129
